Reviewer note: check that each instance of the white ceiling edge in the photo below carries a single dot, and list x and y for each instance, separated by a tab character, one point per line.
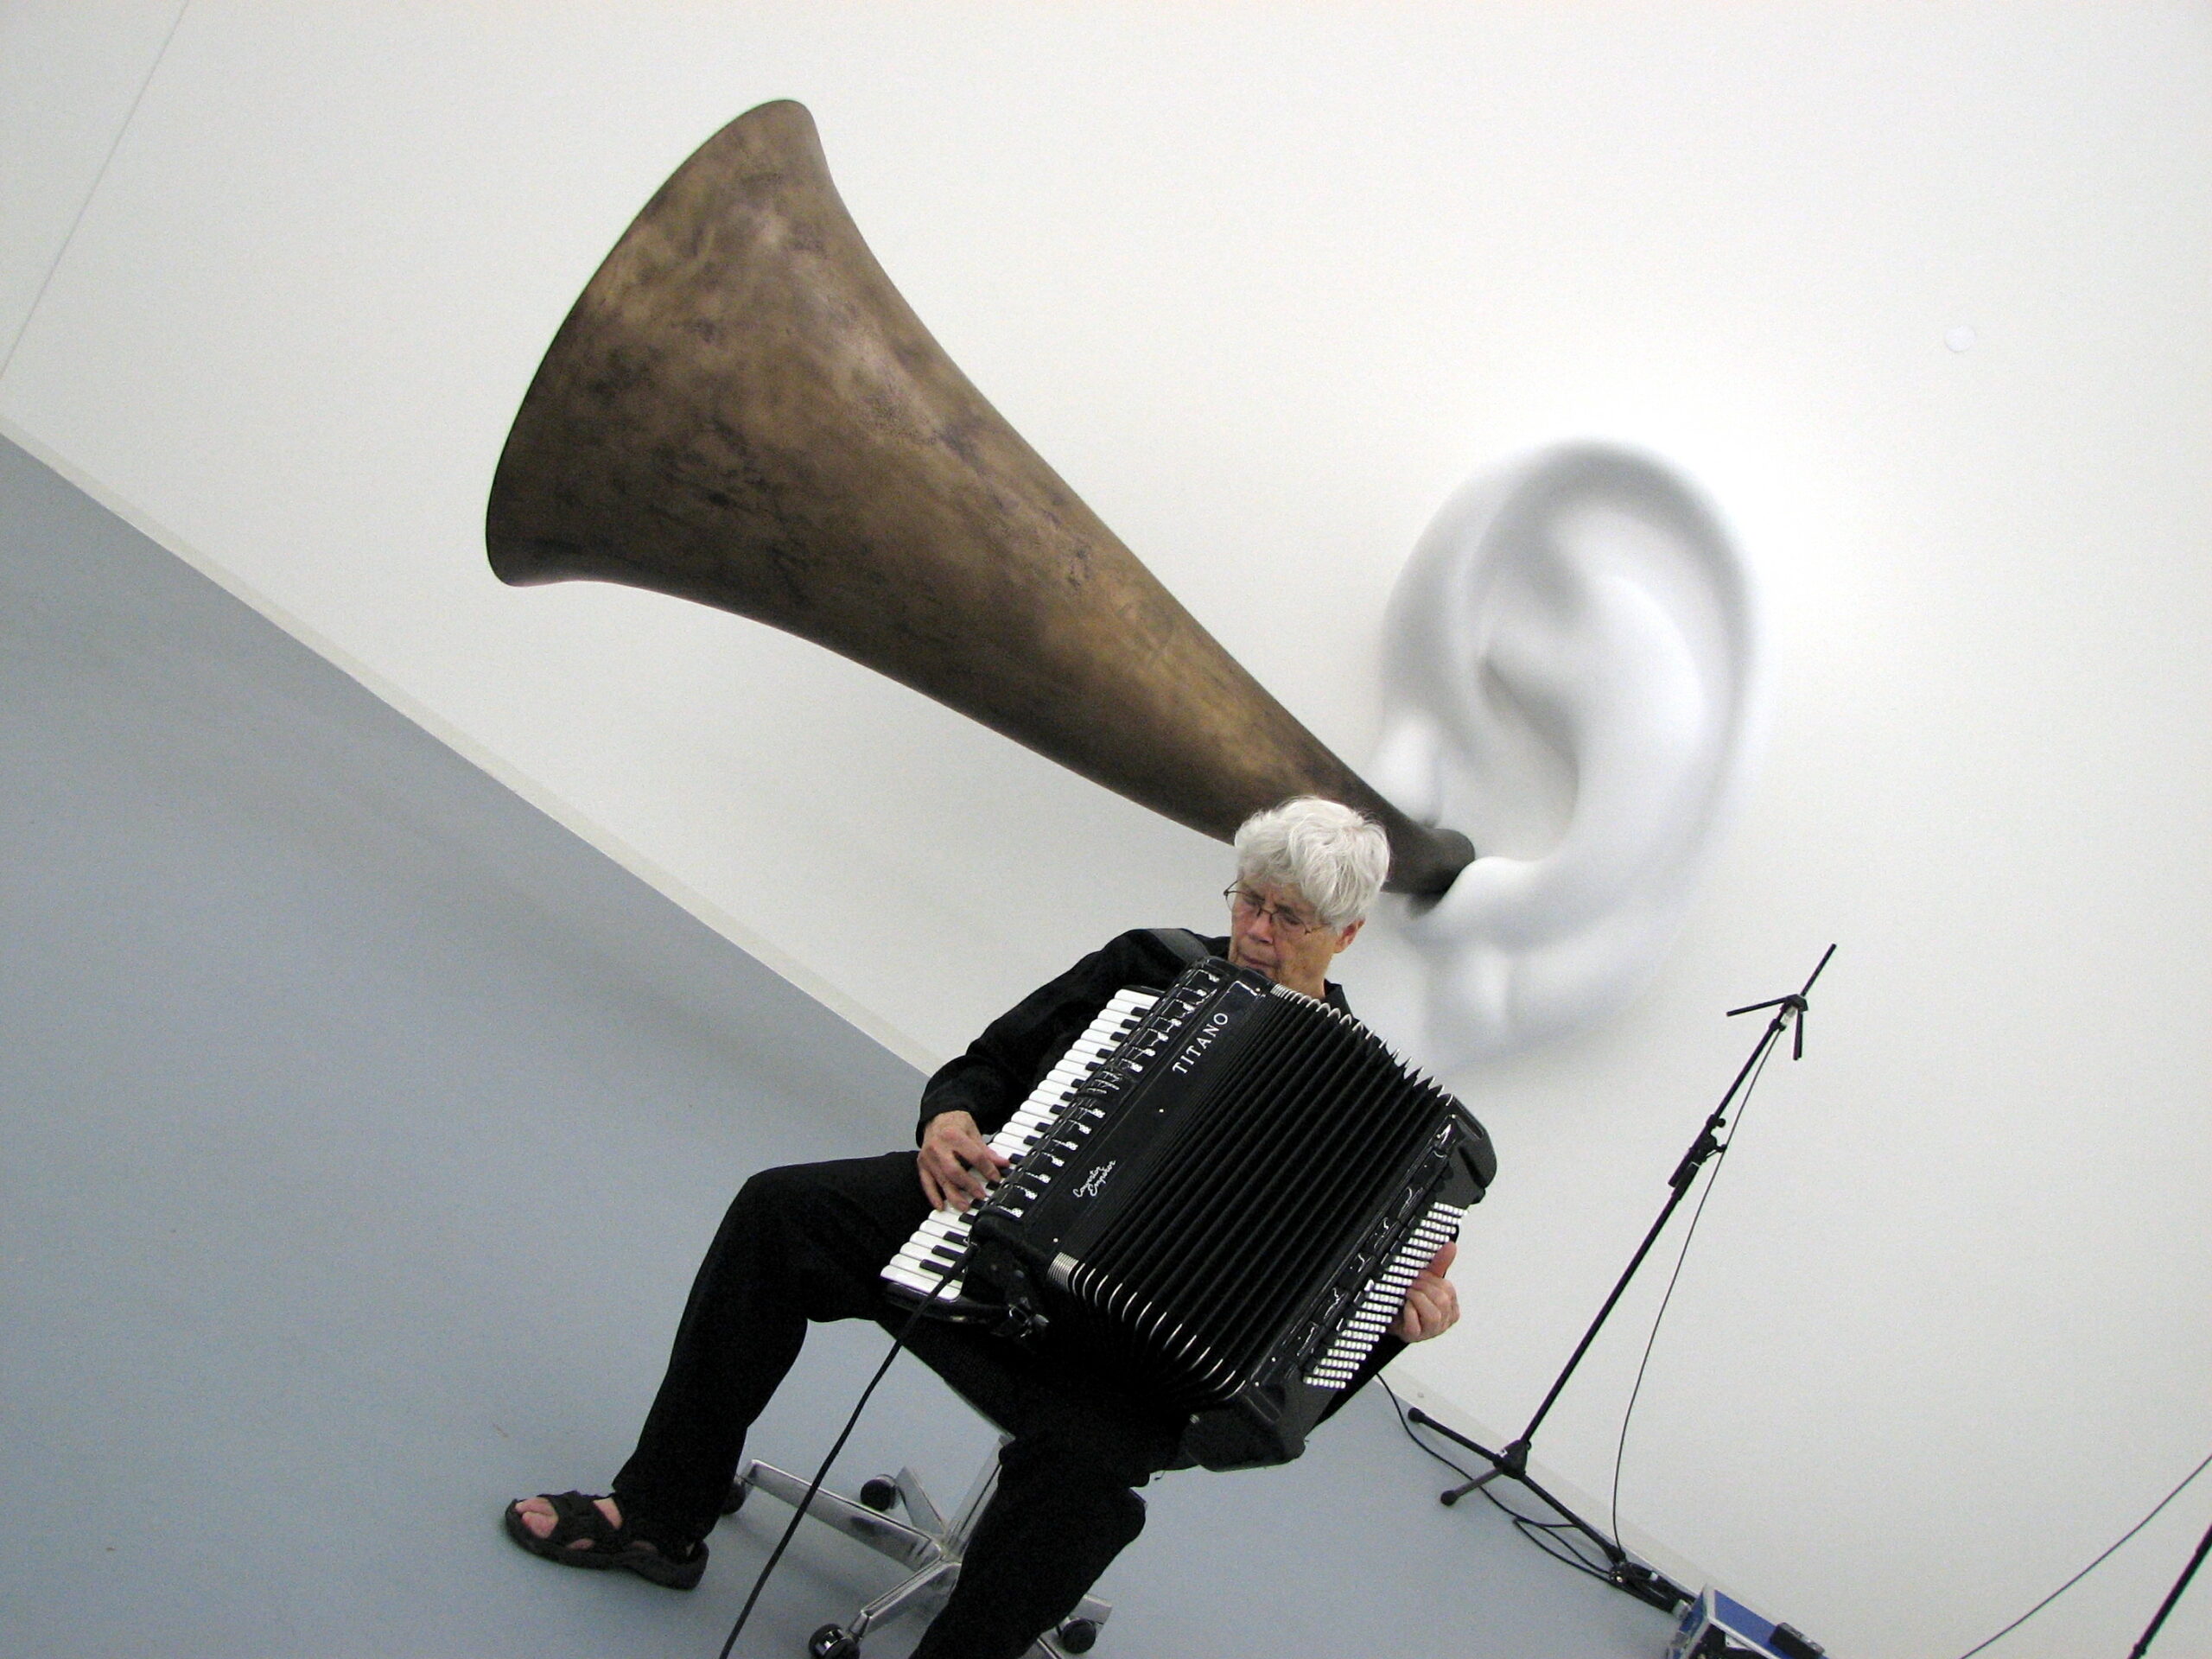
562	812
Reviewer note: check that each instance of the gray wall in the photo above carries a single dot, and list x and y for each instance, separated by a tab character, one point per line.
361	1129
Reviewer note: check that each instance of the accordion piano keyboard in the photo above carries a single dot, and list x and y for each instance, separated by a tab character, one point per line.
929	1264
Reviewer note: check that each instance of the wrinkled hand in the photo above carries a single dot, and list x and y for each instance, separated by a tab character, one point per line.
1432	1306
957	1164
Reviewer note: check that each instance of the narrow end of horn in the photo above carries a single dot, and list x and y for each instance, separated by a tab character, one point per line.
1425	862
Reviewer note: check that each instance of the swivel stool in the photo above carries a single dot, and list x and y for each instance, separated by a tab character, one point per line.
925	1543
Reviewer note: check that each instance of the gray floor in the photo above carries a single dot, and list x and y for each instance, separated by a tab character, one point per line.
358	1131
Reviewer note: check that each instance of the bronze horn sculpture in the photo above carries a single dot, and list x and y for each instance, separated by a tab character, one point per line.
740	410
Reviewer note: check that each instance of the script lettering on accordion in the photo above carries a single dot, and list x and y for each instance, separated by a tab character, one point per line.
1276	1187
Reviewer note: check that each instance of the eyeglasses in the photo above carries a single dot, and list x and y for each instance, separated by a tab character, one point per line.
1284	920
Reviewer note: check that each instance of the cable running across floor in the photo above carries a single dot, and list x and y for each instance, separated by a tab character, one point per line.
799	1512
2111	1551
1556	1539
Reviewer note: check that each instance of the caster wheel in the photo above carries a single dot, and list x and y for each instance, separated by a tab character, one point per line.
833	1642
879	1493
1079	1635
734	1500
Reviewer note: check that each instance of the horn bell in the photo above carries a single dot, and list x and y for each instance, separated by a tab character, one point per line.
741	410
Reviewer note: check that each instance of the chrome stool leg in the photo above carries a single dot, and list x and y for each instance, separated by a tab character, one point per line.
925	1543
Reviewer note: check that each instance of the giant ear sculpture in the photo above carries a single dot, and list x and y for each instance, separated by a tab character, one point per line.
1572	679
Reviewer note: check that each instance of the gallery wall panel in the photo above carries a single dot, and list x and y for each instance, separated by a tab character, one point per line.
1916	297
71	74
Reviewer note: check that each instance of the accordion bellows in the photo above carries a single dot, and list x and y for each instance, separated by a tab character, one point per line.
1224	1205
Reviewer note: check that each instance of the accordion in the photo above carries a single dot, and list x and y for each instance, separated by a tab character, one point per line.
1221	1194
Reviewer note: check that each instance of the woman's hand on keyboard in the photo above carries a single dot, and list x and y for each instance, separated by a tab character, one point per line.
957	1164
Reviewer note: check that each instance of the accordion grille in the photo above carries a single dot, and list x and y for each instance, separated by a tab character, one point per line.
1282	1159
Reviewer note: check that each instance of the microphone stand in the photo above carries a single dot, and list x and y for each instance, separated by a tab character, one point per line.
1645	1583
2188	1572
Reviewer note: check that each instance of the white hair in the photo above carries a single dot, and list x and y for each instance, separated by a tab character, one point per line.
1332	857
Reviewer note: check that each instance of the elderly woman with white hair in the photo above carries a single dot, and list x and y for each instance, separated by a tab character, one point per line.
809	1242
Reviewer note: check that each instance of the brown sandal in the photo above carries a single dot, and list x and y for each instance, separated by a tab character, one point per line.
583	1536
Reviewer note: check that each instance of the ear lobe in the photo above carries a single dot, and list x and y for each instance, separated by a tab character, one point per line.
1572	659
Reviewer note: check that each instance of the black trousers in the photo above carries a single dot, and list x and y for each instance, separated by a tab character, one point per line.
807	1242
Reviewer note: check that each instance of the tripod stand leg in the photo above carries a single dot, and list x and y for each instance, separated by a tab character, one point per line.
1513	1461
2173	1596
1465	1486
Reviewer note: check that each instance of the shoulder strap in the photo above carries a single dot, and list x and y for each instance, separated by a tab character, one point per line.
1188	947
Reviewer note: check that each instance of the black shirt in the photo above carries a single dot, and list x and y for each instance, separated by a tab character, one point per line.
1000	1067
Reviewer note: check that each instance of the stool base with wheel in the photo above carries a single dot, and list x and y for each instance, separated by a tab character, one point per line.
925	1543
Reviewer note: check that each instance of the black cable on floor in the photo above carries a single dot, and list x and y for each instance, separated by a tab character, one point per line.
2092	1565
822	1474
1554	1538
1547	1535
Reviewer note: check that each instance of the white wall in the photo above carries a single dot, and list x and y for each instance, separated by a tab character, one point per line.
1265	284
70	74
